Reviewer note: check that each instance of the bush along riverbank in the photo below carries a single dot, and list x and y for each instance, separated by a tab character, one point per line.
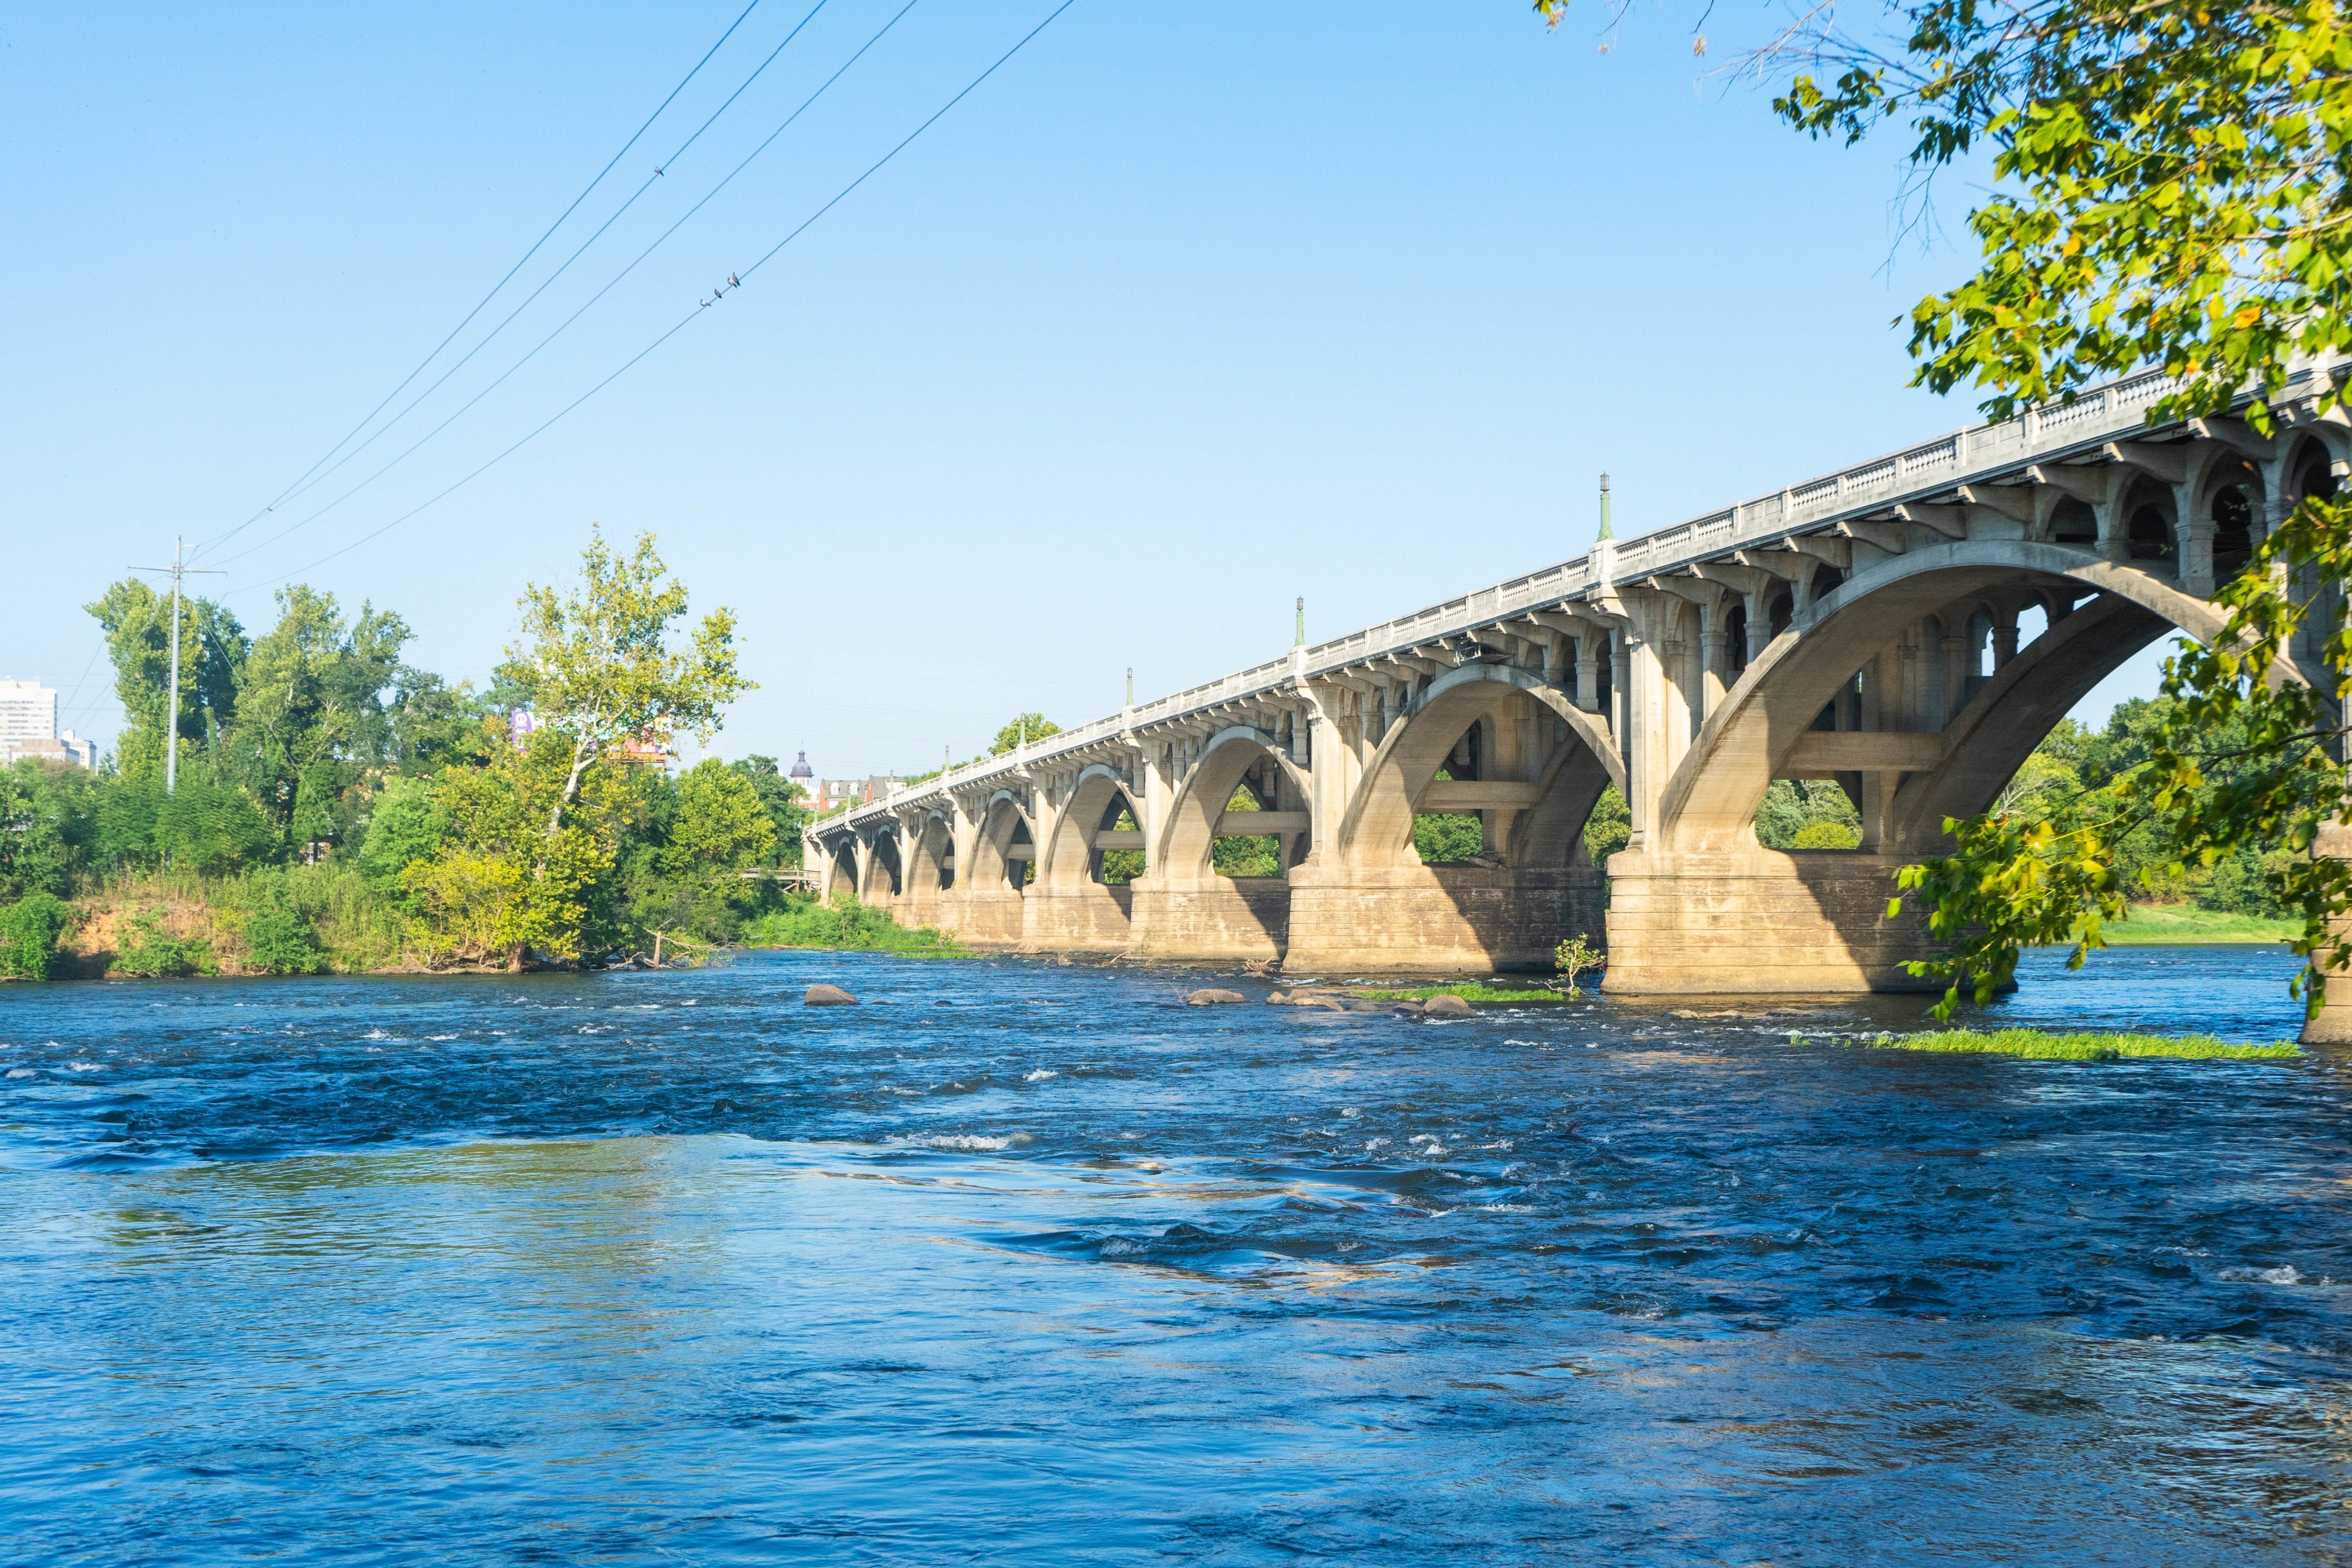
802	922
2071	1047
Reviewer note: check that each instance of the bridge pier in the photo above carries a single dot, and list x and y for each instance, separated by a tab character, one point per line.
1078	917
1761	922
989	917
1212	918
1436	919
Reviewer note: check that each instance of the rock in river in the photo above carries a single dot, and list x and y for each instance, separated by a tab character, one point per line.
828	996
1445	1007
1212	997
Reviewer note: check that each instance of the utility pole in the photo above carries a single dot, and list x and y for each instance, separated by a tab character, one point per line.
178	569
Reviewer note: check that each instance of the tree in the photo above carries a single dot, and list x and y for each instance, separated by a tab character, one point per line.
1020	730
405	824
311	712
784	801
596	668
1609	827
37	832
212	646
1792	808
535	833
2175	190
721	826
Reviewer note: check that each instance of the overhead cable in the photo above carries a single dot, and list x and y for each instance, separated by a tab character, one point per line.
682	322
565	325
662	169
501	283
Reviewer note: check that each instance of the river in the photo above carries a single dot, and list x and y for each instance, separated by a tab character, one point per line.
1026	1263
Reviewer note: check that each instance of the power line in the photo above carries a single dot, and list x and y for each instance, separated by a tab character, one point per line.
549	281
614	283
901	147
682	322
501	283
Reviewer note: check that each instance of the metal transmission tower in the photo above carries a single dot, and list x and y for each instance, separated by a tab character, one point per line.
178	569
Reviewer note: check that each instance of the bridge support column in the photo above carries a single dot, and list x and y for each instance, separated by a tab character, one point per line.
1078	917
1436	919
1758	922
1213	919
2332	1025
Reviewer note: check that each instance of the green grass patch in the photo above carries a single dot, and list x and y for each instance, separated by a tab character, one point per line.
1468	991
2181	925
2084	1047
848	928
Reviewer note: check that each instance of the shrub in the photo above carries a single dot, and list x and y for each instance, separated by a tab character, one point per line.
29	930
846	927
1575	956
1826	835
1447	837
147	952
279	941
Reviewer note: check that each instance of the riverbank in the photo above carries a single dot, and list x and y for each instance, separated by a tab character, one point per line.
2050	1046
2186	925
848	928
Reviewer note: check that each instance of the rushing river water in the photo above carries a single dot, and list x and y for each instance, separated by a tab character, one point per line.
1024	1263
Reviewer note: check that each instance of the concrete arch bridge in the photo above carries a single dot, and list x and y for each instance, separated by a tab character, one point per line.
1911	628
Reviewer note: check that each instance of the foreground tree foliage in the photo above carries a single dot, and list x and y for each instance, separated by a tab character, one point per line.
2171	191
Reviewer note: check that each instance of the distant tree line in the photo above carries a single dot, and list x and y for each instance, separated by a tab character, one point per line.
332	797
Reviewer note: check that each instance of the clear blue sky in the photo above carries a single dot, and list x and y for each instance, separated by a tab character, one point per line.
1187	311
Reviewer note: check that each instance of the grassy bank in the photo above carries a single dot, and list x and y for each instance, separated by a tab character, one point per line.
1469	991
2078	1047
2183	925
848	928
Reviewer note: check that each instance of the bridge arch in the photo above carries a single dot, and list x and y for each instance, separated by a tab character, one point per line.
929	870
882	881
1940	731
1542	783
1236	757
1071	903
1538	762
991	890
1185	906
840	871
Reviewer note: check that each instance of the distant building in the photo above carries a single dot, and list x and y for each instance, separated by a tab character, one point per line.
839	795
28	727
68	749
28	712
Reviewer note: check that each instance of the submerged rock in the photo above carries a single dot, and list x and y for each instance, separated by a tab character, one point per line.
1445	1007
1212	997
828	996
